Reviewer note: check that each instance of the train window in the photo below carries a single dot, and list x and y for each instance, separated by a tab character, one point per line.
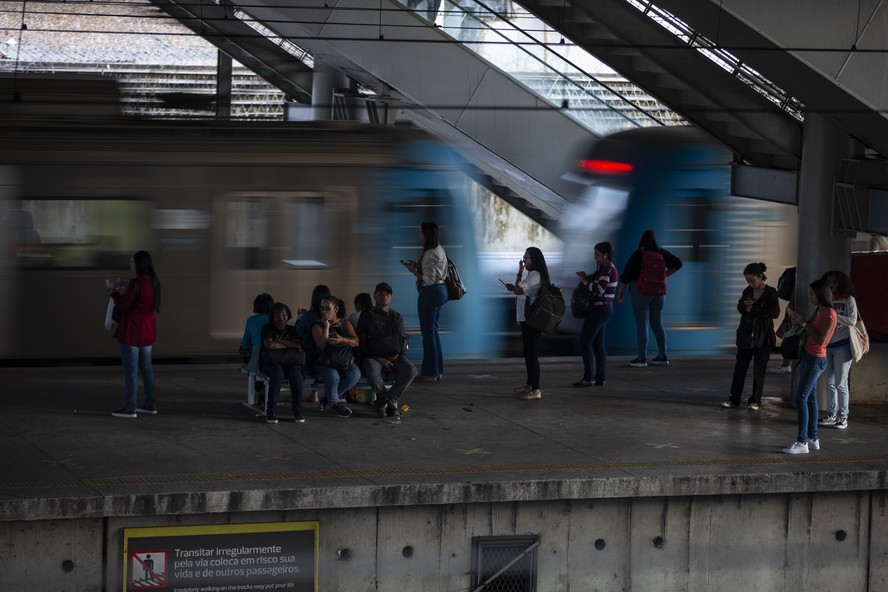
505	563
76	232
277	232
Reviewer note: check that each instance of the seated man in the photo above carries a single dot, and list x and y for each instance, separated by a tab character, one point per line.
383	343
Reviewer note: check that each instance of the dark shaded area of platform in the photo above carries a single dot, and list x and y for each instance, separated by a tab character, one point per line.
648	432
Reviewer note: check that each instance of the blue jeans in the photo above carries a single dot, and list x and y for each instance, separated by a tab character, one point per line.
337	382
431	299
810	369
648	311
592	346
838	366
276	373
135	360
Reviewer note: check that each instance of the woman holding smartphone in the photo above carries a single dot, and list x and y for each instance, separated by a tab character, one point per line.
430	271
526	289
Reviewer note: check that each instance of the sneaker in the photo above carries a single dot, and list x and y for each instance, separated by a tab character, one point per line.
381	406
598	383
729	404
827	420
813	444
341	410
753	406
124	413
660	361
298	418
391	410
531	395
270	418
841	423
322	404
523	389
797	448
639	363
147	410
780	370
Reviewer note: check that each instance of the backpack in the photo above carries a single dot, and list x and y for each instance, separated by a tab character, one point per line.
455	288
545	313
652	279
382	335
786	284
581	301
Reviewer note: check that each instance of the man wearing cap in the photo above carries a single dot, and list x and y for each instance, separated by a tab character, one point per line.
383	343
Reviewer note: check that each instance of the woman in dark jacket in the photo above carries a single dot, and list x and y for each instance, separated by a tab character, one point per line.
137	332
758	307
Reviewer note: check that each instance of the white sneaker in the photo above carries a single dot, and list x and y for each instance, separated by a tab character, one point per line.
780	370
797	448
813	444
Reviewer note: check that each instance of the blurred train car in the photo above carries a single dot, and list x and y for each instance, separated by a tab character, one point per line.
676	181
227	211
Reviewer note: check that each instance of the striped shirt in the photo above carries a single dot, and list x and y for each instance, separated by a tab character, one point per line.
603	285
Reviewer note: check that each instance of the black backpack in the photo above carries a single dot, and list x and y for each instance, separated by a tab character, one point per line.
581	301
382	336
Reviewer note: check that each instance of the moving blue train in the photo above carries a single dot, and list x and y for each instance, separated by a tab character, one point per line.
676	182
232	210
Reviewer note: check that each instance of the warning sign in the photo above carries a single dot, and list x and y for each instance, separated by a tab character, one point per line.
236	557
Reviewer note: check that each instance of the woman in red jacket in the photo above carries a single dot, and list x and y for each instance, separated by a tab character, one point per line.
137	332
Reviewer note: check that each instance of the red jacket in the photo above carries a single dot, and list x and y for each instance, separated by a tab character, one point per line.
137	327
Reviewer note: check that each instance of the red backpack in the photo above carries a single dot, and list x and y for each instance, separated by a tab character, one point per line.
652	279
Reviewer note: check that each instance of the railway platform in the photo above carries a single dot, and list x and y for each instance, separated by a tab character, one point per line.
658	431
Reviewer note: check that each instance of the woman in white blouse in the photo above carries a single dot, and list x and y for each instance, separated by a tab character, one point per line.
430	271
527	288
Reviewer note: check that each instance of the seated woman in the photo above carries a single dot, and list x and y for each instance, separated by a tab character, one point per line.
335	337
282	357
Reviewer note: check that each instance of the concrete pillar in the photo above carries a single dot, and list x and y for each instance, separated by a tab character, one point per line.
224	69
820	249
325	79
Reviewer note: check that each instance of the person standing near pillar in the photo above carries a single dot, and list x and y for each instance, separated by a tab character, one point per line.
838	350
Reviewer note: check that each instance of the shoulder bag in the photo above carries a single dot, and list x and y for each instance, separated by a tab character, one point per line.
286	357
859	339
455	287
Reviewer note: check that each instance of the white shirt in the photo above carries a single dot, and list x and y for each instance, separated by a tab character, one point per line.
434	266
531	285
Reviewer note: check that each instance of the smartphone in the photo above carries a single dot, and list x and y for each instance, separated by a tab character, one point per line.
503	283
404	262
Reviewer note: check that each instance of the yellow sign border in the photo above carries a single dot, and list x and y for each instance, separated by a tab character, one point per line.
182	531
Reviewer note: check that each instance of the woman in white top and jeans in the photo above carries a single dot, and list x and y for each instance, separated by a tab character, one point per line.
430	272
527	288
838	350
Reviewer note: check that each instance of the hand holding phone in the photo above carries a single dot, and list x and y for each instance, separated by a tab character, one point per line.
503	282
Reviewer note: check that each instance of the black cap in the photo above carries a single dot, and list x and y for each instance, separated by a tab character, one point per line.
383	287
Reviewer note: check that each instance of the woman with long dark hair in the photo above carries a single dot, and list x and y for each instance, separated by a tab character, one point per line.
819	328
647	269
137	333
430	271
527	288
758	307
838	350
603	286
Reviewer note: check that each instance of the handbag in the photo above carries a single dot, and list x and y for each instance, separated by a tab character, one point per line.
455	288
110	322
859	339
785	325
337	357
286	357
791	345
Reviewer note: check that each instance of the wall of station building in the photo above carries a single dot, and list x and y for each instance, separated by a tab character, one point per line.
804	541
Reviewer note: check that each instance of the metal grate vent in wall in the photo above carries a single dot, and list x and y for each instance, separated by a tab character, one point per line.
504	564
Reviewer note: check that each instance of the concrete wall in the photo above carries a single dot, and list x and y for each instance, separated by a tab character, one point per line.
819	541
868	381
